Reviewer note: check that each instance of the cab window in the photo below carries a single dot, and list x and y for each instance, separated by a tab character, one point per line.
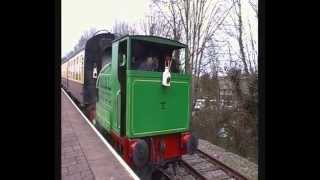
148	56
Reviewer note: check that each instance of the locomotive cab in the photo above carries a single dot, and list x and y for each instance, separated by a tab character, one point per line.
144	99
155	107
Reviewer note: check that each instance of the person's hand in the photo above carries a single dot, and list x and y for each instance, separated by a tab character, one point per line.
168	61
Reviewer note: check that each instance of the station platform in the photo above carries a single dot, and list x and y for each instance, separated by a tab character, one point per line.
85	155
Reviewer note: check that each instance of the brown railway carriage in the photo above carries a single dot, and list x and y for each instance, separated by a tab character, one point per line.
72	77
79	71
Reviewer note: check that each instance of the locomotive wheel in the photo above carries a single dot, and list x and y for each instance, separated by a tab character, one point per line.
98	127
192	145
91	112
145	173
141	153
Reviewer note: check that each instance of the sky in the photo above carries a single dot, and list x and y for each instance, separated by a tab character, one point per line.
78	16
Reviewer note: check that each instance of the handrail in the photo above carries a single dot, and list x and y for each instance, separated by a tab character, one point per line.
102	30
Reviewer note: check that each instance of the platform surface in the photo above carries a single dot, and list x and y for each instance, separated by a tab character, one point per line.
83	155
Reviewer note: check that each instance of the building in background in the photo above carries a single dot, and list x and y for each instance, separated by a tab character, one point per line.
226	91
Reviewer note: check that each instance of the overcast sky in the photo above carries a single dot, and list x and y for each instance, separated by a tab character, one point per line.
78	16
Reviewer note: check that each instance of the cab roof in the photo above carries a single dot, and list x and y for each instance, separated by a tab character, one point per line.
155	39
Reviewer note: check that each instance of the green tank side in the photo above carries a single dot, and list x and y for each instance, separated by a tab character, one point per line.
153	109
115	90
104	104
107	106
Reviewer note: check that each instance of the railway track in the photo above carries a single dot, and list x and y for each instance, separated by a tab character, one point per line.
201	166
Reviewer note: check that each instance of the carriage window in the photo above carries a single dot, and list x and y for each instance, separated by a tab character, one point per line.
73	71
147	56
82	70
78	69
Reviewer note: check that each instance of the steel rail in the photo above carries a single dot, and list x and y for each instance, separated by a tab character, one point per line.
229	171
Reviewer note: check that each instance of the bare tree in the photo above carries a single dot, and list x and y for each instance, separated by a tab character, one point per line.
155	25
243	121
165	19
203	25
84	38
242	33
213	58
254	6
81	42
204	19
195	22
123	28
239	29
253	52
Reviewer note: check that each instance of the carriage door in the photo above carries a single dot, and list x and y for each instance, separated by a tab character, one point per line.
67	78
